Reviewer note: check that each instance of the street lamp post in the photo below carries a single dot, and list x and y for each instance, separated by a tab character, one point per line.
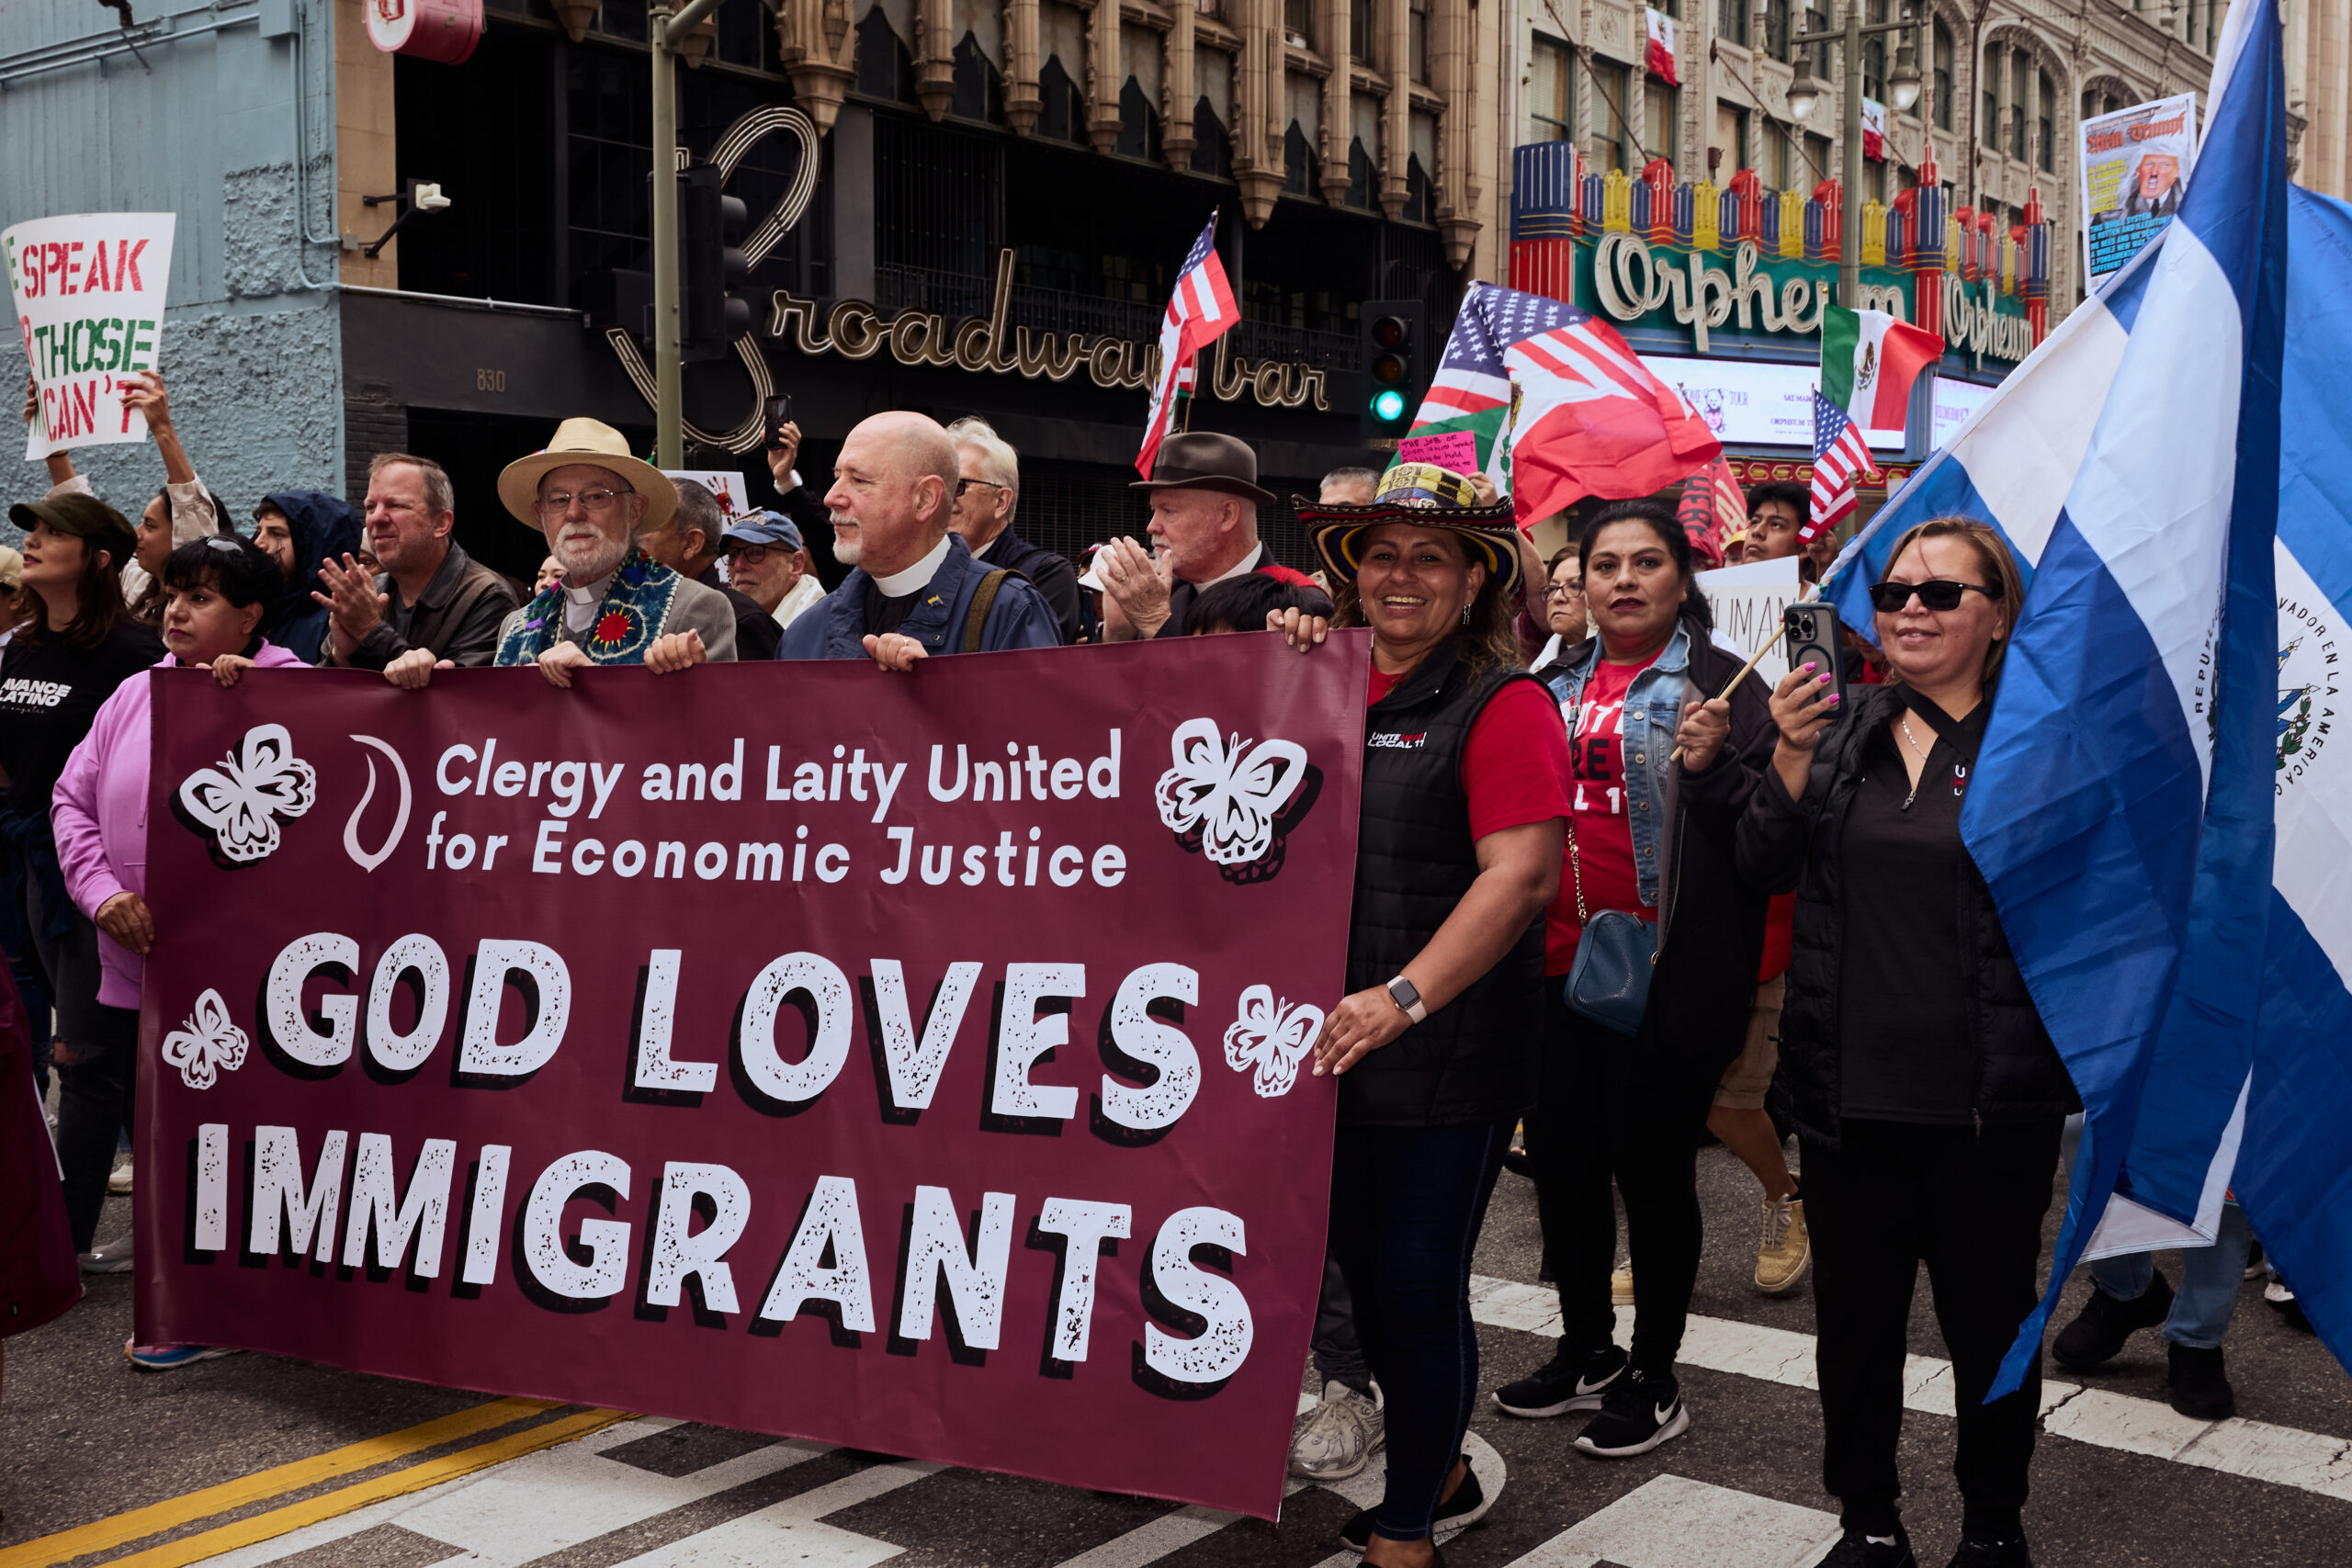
1806	91
665	30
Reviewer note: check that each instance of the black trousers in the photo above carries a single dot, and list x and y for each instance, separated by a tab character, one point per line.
94	1099
1612	1106
1968	1203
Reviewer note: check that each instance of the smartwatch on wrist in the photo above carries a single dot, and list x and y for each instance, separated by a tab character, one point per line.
1407	999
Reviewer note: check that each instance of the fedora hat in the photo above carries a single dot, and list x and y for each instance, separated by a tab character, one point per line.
1201	459
587	441
1420	493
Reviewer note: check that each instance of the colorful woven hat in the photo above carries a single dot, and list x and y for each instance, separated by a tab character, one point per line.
1423	494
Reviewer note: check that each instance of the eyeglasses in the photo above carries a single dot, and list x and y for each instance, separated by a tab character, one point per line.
1936	594
963	485
1563	590
754	554
224	543
591	500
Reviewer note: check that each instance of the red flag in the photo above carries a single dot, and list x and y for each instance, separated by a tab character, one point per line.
1711	509
1589	419
1661	60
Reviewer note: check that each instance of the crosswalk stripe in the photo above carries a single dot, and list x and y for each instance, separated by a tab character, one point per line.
262	1484
2259	1450
790	1531
1672	1522
416	1478
1150	1542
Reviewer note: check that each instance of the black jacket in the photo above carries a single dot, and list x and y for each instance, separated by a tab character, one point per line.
1787	844
457	617
756	632
1048	574
1711	923
1474	1059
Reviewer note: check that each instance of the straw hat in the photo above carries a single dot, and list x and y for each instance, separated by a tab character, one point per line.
587	441
1420	493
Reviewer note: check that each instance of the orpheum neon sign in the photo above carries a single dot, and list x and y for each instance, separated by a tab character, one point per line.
854	329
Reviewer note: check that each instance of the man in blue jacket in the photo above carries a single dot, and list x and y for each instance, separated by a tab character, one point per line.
916	590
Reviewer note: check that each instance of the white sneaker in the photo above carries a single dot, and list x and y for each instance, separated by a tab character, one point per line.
119	1183
1340	1436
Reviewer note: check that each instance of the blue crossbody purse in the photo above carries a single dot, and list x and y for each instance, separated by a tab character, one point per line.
1610	982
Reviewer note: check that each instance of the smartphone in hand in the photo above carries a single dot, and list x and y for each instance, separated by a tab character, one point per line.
774	416
1814	638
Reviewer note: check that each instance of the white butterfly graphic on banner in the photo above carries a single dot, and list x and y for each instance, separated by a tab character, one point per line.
206	1043
1229	793
1273	1037
240	799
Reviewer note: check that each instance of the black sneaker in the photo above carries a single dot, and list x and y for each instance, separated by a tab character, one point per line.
1458	1513
2009	1553
2200	1389
2105	1323
1640	1411
1569	1381
1856	1549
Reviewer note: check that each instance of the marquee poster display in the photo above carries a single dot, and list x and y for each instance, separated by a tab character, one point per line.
912	1062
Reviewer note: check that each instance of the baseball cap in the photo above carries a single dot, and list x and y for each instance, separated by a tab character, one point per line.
85	517
762	528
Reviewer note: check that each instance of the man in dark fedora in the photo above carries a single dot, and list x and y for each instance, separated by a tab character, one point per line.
1204	501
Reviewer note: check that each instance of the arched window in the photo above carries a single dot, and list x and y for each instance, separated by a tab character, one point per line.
980	94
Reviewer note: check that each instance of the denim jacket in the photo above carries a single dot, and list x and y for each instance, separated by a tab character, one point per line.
1652	713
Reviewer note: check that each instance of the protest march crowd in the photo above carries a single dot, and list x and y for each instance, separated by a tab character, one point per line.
1613	893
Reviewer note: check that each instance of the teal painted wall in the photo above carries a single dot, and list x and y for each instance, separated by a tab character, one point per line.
201	121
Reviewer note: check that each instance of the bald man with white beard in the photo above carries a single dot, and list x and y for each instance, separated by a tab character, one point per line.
916	590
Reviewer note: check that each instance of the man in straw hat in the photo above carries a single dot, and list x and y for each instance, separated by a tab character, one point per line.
1204	501
615	604
917	591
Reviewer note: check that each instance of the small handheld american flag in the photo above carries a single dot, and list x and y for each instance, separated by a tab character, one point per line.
1200	311
1839	453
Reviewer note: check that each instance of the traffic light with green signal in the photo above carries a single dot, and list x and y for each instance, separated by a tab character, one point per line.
1395	371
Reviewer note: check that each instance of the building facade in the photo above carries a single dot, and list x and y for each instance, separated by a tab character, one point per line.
976	205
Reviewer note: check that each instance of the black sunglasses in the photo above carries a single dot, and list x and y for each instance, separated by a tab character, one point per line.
1936	594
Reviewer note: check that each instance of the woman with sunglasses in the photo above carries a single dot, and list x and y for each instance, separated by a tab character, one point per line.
1927	1094
219	591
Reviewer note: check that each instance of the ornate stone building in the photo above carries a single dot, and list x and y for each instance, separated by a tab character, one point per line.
2005	83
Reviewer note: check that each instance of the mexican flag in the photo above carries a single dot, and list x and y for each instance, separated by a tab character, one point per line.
1868	362
1661	60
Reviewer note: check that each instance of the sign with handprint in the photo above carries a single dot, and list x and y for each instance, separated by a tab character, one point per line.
89	292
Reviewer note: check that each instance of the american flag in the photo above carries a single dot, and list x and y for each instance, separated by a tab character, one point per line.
1199	311
1838	454
1560	404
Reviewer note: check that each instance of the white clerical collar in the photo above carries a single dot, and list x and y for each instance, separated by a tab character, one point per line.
898	584
1247	565
580	603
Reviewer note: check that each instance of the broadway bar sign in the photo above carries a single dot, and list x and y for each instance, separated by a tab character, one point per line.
923	1073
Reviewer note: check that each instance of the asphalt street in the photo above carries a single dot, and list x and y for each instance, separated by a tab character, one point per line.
85	1440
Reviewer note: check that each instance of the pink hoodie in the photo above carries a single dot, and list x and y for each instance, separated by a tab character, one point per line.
100	814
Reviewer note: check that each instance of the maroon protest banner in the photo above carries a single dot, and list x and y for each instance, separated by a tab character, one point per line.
910	1062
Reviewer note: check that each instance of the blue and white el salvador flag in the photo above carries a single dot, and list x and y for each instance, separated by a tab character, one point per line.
2291	1175
2120	810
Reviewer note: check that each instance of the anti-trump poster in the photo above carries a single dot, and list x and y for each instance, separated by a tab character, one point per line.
89	296
2135	169
917	1062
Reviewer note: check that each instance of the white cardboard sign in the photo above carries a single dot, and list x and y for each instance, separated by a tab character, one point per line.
89	296
1748	601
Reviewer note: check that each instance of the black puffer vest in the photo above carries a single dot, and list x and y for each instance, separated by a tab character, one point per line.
1473	1060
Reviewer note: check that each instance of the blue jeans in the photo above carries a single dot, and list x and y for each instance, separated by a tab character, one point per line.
1406	1204
2211	1279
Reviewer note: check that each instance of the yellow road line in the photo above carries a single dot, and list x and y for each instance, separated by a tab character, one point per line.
416	1478
275	1482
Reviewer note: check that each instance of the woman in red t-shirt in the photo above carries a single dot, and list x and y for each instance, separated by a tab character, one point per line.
1653	837
1457	853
